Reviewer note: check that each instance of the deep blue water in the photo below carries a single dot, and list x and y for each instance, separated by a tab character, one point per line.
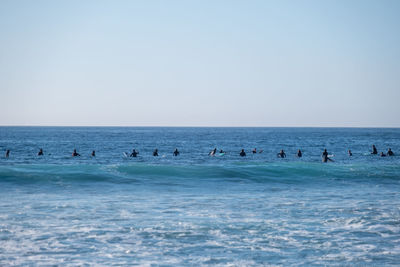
195	209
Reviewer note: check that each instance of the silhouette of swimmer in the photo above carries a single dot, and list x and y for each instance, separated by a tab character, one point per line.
390	152
374	150
7	153
281	154
254	151
75	154
325	157
383	154
134	153
350	154
155	153
176	152
213	152
40	153
242	153
221	151
299	154
93	153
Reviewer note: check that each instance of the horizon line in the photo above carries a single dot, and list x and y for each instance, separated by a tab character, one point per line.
197	126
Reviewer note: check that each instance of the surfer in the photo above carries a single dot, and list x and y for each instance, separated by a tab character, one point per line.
155	153
40	153
213	152
383	154
7	153
75	154
390	152
281	154
134	153
176	152
93	153
242	153
374	150
325	157
222	152
350	154
254	151
299	154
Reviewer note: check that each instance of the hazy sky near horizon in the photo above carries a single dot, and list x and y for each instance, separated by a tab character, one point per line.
200	63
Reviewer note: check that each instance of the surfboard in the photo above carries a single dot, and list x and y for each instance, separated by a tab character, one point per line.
125	154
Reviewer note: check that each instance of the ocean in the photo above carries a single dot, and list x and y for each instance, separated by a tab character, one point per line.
195	209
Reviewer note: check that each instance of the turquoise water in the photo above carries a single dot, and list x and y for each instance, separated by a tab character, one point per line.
195	209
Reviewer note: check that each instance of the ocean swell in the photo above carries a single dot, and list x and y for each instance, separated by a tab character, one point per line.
288	172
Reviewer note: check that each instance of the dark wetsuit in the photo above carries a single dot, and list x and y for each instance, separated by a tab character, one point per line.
374	150
134	153
390	152
281	154
242	153
299	154
325	157
155	153
176	152
40	153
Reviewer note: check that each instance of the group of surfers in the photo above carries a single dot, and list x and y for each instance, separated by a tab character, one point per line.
281	154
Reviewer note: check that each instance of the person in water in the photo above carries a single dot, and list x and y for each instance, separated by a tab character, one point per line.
7	153
299	154
75	154
93	153
40	153
242	153
374	150
134	153
176	152
213	152
221	151
350	154
254	151
383	154
390	152
325	157
281	154
155	153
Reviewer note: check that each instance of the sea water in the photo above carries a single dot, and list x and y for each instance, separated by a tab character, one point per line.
195	209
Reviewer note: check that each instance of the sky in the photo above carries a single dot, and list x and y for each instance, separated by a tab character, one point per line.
200	63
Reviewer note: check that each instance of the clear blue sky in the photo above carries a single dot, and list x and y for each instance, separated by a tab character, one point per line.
200	63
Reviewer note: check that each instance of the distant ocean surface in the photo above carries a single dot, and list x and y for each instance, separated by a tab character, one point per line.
194	209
